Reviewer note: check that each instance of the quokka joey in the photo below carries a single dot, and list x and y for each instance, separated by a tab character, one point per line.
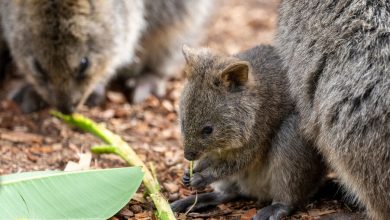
68	50
238	122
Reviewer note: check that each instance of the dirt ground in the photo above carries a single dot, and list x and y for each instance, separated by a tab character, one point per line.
40	142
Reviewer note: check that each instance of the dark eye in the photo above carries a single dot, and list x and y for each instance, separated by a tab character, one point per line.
217	83
207	130
83	66
39	70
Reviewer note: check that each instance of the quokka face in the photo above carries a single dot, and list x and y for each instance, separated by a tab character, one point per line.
215	110
66	48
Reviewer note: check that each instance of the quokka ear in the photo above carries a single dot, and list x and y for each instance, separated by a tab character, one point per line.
236	74
190	54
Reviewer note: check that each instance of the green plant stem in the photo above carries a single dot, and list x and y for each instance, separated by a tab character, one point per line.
116	145
153	170
191	168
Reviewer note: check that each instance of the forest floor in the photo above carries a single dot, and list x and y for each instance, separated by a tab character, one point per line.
39	141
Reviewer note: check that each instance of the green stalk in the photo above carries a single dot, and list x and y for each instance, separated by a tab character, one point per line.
191	168
115	145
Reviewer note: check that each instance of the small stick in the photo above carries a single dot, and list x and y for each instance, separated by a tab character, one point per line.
193	205
196	192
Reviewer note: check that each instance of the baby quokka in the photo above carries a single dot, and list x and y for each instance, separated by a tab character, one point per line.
238	122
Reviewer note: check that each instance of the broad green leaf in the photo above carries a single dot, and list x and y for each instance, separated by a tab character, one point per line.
91	194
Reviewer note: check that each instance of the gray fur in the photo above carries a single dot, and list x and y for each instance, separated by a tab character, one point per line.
111	34
170	24
255	147
338	55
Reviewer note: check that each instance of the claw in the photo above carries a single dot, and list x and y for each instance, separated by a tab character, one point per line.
186	178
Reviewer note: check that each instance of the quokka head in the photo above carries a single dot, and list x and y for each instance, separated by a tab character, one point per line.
65	48
217	106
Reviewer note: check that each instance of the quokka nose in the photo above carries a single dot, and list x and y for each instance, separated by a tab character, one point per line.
66	109
191	155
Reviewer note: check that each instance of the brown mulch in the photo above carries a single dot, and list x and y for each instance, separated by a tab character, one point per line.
39	142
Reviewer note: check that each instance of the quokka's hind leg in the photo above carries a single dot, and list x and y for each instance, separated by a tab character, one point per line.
204	200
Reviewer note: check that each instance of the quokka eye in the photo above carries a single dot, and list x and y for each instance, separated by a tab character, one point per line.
83	66
207	130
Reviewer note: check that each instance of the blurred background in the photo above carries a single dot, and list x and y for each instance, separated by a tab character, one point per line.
38	141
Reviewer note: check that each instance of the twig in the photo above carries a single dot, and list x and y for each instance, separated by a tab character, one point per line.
193	205
196	192
116	145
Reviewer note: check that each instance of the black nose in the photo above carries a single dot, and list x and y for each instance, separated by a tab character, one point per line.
66	109
191	155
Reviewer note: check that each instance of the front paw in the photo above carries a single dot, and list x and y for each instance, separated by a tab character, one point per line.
186	178
141	88
275	211
198	180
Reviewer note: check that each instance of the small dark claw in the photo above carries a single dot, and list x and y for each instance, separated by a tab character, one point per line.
273	212
186	178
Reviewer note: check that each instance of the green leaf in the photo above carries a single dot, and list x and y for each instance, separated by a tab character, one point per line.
91	194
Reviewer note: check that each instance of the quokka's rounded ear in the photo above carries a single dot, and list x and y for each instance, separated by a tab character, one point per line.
236	74
189	53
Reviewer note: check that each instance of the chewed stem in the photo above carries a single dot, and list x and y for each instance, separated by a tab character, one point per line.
191	168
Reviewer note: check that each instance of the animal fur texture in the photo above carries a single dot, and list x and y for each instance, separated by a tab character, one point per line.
337	54
238	121
67	49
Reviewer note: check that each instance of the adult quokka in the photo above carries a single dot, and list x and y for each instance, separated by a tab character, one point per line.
337	54
68	49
